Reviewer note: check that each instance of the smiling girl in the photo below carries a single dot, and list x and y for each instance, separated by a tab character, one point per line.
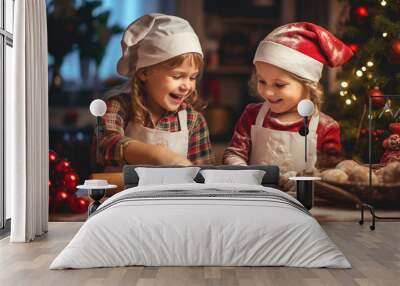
151	120
288	66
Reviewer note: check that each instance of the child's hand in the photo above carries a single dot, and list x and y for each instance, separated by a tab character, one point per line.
181	161
287	185
142	153
168	157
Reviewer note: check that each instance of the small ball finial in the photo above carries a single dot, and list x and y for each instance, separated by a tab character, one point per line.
98	107
305	107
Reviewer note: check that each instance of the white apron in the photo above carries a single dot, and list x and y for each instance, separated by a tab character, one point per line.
175	141
283	148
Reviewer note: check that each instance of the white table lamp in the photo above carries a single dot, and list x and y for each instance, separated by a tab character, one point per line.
98	108
305	108
305	185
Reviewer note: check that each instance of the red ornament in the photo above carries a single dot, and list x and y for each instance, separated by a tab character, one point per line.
59	200
378	101
354	47
71	180
362	11
63	166
78	205
396	47
61	195
52	157
395	128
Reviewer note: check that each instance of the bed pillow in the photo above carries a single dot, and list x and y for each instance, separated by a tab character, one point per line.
248	177
163	176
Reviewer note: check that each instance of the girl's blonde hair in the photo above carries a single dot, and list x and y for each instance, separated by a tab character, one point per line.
135	86
315	91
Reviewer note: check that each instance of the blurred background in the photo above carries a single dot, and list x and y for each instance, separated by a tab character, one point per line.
84	46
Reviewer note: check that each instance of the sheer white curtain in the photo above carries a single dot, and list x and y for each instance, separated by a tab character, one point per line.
27	124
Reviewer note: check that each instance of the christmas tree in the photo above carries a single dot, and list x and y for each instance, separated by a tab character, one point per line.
62	187
372	30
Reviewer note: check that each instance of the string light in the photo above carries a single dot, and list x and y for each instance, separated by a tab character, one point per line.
369	75
344	84
383	3
354	97
370	63
348	101
384	34
341	93
363	68
359	73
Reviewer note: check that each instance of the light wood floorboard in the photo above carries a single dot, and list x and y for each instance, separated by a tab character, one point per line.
374	255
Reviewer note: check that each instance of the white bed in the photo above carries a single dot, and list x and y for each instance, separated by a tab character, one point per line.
201	224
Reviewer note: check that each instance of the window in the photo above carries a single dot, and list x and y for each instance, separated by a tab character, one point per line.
6	44
122	13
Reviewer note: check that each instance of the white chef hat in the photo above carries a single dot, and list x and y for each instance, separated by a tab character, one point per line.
154	38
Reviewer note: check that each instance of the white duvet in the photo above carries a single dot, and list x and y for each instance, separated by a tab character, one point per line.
206	230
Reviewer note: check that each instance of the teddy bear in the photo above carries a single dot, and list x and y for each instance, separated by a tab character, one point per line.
392	145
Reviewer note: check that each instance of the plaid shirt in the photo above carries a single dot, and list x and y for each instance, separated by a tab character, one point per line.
113	124
238	152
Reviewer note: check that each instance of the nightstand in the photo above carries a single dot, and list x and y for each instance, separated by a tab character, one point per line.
96	191
305	190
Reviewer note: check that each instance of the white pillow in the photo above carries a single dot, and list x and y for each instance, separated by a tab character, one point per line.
248	177
163	176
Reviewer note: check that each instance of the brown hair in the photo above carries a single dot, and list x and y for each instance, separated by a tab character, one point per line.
135	87
315	91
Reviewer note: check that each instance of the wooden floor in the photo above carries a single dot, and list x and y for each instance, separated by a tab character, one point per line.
374	255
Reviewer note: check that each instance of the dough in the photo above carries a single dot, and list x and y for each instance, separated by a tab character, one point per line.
347	166
390	173
360	174
335	175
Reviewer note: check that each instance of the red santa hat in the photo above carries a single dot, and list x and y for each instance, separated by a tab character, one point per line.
302	48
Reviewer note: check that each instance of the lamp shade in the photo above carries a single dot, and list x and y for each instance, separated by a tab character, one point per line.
98	107
305	107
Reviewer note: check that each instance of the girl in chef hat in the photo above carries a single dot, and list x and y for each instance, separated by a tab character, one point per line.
151	120
288	66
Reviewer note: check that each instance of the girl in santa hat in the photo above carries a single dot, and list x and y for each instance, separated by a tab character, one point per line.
151	119
288	66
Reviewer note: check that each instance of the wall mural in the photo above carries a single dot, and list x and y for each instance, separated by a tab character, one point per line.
236	99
